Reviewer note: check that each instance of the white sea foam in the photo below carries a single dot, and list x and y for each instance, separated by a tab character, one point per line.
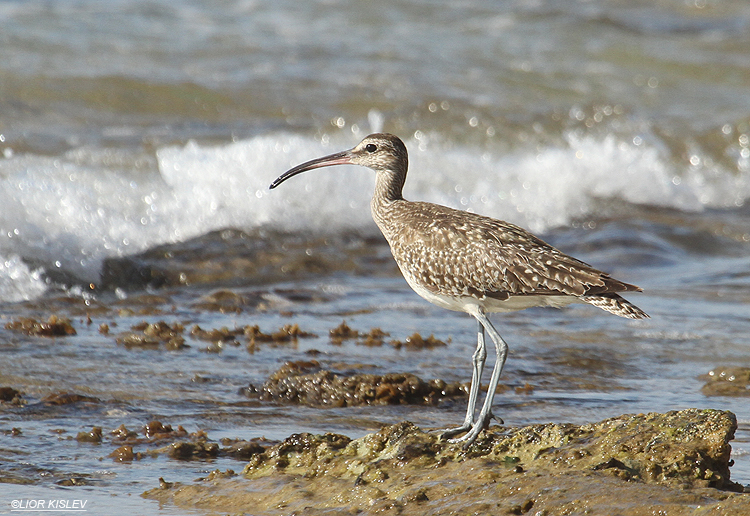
72	212
18	282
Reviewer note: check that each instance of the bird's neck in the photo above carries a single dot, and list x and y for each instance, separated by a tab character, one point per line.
388	187
389	184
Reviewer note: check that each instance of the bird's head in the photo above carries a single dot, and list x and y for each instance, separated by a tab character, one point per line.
380	152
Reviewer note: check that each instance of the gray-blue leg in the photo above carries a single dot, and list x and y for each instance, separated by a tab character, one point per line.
477	362
502	353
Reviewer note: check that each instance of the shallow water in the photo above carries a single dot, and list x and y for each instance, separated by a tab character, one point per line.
574	365
138	141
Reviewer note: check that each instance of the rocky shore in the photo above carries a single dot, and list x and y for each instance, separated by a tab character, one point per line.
675	463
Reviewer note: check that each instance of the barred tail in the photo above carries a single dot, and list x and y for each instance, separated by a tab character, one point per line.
615	304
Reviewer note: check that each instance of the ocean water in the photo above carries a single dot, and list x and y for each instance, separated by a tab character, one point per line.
134	134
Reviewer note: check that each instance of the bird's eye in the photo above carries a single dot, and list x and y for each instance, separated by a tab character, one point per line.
371	147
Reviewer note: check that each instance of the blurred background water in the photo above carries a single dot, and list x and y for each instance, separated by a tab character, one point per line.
135	134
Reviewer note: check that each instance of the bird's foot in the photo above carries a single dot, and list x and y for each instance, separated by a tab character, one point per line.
472	430
446	433
469	437
498	419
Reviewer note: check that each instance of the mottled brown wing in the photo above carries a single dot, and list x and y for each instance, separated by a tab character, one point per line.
459	253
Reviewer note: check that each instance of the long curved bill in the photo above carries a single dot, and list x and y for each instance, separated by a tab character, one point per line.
339	158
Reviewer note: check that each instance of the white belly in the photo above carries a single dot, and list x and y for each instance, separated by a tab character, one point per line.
512	304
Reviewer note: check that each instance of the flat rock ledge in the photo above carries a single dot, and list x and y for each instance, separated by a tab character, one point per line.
675	463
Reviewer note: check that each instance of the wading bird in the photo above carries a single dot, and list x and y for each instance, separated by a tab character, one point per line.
470	263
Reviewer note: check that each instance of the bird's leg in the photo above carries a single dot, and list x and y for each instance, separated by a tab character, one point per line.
502	353
477	362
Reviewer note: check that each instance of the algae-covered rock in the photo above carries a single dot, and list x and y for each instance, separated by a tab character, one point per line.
307	383
94	436
66	398
628	465
727	381
151	335
54	326
10	394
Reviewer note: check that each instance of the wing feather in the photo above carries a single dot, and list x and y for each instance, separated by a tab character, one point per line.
457	253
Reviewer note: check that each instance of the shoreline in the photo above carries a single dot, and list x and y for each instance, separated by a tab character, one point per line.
629	465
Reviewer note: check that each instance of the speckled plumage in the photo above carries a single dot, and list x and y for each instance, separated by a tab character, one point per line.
459	254
471	263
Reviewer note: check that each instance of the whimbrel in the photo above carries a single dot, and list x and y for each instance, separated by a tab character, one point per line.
470	263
